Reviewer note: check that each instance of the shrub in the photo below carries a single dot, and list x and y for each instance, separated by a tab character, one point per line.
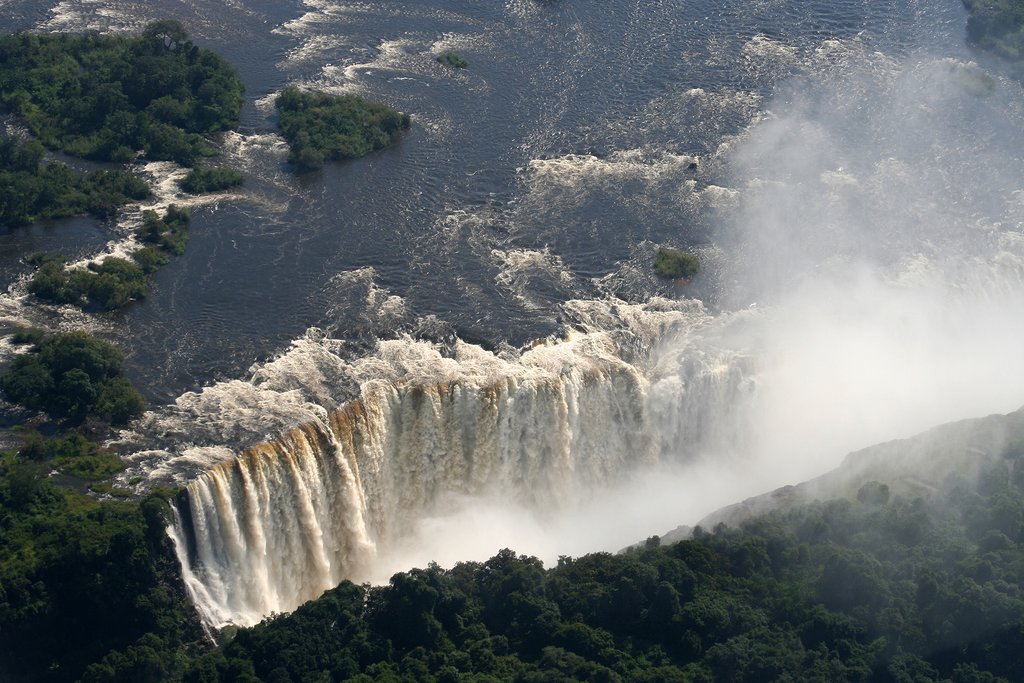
452	59
675	264
204	179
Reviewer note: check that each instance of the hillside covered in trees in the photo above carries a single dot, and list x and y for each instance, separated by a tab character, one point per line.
878	588
106	97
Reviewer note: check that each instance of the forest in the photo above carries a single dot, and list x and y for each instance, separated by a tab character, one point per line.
106	97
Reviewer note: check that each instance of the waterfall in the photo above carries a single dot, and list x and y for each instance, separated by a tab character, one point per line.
292	517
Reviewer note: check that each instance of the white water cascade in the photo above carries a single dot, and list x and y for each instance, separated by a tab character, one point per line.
291	517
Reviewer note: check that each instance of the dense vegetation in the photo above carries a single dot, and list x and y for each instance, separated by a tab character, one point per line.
114	282
80	579
452	59
321	127
72	454
168	233
72	376
205	179
107	96
31	190
106	285
675	264
998	26
879	588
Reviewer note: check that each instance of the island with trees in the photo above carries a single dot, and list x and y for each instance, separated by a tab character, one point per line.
72	376
675	264
113	282
203	179
32	190
107	97
320	127
452	59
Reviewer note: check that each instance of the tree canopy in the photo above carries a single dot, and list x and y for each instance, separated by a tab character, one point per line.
31	189
108	96
72	376
320	127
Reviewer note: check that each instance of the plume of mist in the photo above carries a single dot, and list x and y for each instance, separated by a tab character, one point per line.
876	275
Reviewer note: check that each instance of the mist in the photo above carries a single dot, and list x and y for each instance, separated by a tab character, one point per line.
874	271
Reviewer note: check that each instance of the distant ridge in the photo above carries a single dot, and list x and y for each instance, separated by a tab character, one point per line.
912	467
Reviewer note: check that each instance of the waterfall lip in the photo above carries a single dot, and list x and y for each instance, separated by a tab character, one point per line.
315	376
277	523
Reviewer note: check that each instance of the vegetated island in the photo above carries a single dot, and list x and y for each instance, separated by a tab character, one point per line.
32	190
113	282
71	376
452	59
675	264
202	179
105	97
998	27
321	127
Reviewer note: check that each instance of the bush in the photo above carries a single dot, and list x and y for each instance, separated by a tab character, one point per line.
675	264
204	179
452	59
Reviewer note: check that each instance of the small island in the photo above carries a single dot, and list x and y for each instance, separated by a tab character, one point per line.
106	97
675	264
321	127
70	377
203	179
31	190
114	282
452	59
